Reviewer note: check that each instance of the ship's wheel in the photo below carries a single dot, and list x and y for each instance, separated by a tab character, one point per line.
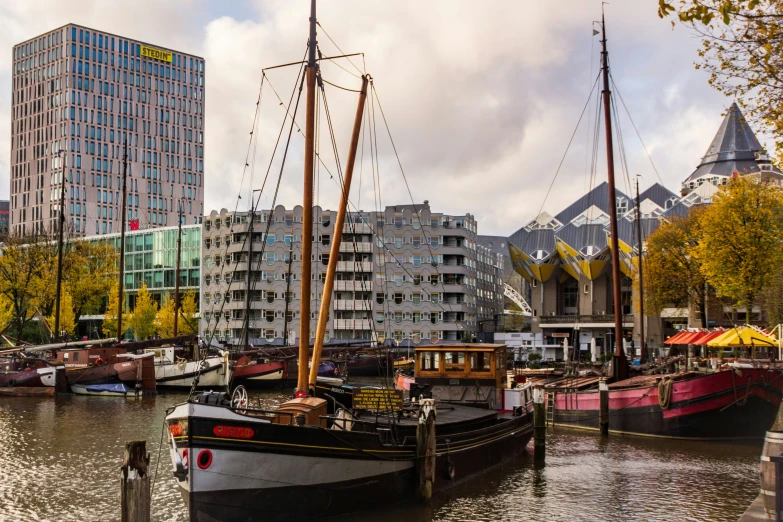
239	399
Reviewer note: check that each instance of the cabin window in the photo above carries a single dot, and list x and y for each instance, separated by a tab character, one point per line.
75	356
479	361
429	361
454	361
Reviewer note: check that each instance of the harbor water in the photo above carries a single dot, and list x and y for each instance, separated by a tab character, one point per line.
60	458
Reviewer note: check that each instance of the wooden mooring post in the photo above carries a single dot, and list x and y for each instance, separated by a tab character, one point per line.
425	449
539	423
603	412
135	483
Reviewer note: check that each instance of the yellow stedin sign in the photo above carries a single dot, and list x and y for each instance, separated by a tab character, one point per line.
157	54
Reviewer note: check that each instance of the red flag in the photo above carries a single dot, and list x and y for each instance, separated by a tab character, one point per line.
134	224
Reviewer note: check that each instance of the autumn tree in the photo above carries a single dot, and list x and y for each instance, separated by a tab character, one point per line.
741	233
112	313
91	272
142	320
672	270
21	263
188	323
164	320
67	316
742	50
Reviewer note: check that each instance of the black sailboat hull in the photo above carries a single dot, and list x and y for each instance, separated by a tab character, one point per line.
303	472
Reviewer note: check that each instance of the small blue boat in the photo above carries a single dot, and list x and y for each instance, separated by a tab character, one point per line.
104	390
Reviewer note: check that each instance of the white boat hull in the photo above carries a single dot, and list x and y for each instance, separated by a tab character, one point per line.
214	373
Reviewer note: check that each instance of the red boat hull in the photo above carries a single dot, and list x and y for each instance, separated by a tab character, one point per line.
260	374
124	372
723	405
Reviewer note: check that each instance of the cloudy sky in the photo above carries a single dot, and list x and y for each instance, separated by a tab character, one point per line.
481	97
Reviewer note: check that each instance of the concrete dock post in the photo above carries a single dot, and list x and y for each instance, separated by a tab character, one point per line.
539	423
135	483
603	414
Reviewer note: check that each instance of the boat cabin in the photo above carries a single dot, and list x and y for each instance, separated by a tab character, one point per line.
464	373
86	357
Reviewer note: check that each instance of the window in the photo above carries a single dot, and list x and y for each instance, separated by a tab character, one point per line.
416	317
416	299
454	361
398	298
398	317
416	279
380	298
270	239
379	317
429	361
479	361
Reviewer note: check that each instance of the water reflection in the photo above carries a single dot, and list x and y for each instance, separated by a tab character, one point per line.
60	458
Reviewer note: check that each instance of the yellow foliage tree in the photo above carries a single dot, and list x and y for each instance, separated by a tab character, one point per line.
67	316
6	311
188	323
741	231
672	270
111	314
165	318
142	320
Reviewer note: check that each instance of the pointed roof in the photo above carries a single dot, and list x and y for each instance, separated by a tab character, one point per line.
734	141
598	197
734	148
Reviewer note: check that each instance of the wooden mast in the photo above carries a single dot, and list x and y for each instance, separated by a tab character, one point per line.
60	228
334	250
176	273
619	362
643	357
120	298
307	213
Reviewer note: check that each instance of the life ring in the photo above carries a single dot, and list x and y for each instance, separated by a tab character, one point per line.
204	459
449	470
185	458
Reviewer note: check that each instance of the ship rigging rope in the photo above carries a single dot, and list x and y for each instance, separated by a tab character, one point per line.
638	135
565	153
665	392
253	136
373	229
194	385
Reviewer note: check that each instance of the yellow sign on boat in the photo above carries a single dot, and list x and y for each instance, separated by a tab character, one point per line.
377	399
156	54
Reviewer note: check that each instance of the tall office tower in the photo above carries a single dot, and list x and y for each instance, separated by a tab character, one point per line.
78	94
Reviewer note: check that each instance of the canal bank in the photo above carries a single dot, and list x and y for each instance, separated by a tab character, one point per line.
59	460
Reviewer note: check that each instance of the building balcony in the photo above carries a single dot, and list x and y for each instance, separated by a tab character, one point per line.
353	286
356	228
354	266
352	324
359	248
351	304
569	321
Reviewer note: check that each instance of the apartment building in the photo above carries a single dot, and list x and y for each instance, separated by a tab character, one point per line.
407	274
78	95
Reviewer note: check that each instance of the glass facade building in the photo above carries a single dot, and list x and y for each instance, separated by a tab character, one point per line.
151	259
78	96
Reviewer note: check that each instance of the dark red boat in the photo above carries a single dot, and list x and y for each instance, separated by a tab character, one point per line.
20	371
729	404
259	372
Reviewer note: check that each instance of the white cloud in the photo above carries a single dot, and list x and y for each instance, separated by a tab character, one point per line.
481	98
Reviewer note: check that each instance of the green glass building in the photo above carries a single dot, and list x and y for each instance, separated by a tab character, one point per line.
151	259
